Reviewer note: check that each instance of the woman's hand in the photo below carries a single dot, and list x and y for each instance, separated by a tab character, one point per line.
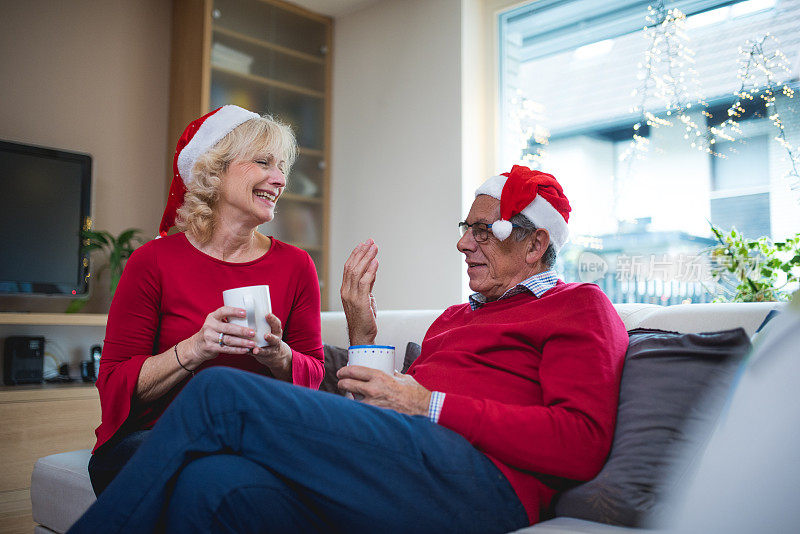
400	392
276	355
358	278
206	344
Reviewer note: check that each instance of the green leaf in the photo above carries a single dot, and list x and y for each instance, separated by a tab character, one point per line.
76	305
127	235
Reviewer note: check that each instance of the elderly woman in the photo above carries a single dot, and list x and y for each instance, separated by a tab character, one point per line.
167	321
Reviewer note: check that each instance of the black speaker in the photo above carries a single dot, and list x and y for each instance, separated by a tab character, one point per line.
23	360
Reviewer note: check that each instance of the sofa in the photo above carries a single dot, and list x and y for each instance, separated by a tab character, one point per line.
60	487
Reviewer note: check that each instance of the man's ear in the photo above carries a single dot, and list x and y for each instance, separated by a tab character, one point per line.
537	246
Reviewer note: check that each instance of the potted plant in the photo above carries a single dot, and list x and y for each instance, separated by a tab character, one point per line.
117	248
754	270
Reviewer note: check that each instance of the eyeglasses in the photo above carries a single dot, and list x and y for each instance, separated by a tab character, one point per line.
480	231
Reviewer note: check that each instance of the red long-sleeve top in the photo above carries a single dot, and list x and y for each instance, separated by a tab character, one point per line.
166	291
531	382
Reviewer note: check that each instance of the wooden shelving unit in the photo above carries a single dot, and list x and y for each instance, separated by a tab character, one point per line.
39	420
222	71
54	319
301	198
267	56
266	44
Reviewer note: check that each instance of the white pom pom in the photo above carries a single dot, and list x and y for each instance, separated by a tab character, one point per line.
501	229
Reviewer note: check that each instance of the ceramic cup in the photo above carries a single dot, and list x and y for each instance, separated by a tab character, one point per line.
380	357
255	301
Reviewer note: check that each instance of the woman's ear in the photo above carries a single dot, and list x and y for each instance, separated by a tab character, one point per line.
537	246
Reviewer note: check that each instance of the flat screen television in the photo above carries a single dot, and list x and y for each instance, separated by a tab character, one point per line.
45	197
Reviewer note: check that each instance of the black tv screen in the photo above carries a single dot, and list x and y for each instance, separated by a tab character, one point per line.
45	197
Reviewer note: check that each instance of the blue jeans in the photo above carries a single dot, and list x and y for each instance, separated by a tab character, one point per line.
238	452
111	457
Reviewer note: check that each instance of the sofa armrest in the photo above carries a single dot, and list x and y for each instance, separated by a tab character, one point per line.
60	489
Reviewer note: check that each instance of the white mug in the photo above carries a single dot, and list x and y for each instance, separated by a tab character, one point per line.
255	301
380	357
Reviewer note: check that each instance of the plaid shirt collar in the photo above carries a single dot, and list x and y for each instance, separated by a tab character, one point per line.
538	284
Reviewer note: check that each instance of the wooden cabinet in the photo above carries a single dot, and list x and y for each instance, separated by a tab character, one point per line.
269	57
37	421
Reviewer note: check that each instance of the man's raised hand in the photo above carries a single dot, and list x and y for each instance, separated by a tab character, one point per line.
358	278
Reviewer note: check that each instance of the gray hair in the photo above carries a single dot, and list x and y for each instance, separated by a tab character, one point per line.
523	228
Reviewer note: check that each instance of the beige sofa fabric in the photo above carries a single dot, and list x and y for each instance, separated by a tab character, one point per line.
60	489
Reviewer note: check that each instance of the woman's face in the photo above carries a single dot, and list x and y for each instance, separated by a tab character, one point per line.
250	189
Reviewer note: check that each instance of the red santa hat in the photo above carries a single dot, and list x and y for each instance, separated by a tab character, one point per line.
198	138
534	194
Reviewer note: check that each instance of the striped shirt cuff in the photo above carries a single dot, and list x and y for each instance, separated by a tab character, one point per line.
435	406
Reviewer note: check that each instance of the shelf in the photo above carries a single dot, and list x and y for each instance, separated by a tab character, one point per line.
310	152
269	82
48	392
271	46
65	319
307	248
294	197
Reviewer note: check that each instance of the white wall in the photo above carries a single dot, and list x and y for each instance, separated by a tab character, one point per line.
396	169
92	77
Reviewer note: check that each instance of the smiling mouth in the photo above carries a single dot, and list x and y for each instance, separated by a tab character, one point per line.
272	197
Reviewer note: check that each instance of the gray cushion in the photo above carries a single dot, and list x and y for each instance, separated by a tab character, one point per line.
672	389
60	489
335	359
412	353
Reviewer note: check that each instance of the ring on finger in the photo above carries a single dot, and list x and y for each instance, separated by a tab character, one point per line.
221	343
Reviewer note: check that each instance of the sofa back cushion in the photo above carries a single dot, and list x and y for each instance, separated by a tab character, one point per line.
673	387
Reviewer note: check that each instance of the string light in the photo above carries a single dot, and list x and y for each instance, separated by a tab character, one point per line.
761	67
668	80
527	118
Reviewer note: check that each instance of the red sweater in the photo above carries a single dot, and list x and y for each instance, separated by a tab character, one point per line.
531	382
166	291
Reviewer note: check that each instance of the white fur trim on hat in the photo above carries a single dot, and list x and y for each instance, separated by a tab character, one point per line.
540	212
210	132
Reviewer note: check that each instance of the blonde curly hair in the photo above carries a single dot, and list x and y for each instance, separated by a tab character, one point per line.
255	138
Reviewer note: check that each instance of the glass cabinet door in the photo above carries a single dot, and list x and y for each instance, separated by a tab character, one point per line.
271	58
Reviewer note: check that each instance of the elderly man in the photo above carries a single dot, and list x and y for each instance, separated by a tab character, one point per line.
513	396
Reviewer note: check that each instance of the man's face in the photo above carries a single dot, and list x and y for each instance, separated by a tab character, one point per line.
494	266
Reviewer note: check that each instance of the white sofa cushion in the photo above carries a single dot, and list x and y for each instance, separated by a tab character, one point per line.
60	489
398	327
570	525
395	327
696	318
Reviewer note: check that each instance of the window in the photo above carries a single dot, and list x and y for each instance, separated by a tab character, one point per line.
648	157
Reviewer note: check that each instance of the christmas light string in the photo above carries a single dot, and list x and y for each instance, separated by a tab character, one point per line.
667	77
670	82
527	118
761	63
